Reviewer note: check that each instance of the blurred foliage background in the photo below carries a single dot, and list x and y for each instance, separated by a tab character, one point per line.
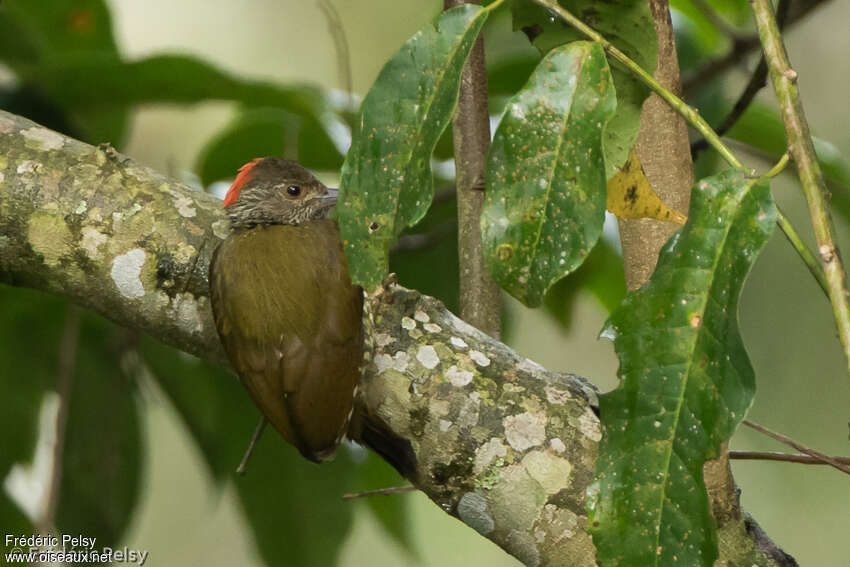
196	89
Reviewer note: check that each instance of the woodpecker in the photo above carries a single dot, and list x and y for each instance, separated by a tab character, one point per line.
284	305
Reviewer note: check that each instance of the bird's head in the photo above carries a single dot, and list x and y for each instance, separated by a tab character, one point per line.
276	191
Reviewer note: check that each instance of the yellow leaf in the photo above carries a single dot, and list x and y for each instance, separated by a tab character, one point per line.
630	196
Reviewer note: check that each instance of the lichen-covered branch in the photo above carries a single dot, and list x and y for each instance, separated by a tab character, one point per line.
496	440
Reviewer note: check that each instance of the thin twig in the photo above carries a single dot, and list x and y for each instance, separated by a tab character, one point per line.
757	82
711	15
783	457
64	379
784	80
258	432
380	492
802	448
343	51
424	240
741	47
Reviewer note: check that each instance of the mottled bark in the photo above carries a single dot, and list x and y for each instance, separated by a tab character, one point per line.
499	442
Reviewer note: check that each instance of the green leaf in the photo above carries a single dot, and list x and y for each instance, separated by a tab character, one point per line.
267	132
29	339
392	511
295	507
625	23
545	202
386	181
686	382
102	455
210	401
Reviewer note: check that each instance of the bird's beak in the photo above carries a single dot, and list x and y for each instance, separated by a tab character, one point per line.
329	200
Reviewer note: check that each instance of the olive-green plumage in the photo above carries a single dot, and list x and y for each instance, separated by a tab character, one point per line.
289	319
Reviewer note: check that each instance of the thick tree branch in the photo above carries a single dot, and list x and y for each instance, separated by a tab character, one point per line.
498	441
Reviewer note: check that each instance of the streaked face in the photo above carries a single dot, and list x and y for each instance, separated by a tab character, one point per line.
277	191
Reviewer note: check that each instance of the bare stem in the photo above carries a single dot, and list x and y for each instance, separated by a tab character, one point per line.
784	80
799	446
783	457
480	301
258	432
380	492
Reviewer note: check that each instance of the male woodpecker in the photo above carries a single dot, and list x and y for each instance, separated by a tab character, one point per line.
286	311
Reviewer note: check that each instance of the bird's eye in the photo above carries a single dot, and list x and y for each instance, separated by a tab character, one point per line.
293	190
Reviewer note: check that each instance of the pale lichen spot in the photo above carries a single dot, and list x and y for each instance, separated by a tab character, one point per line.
407	323
432	327
383	362
126	270
400	361
556	395
458	378
444	425
458	342
589	425
550	471
472	509
221	228
525	430
183	203
187	315
49	237
384	339
82	207
421	316
557	445
91	242
479	358
42	138
529	366
185	253
488	452
27	166
427	357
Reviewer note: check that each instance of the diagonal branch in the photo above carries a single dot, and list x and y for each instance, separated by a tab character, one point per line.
496	440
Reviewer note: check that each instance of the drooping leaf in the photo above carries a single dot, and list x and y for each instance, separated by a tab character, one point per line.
630	195
686	382
29	350
386	182
295	507
267	132
34	35
210	401
545	202
102	455
625	23
391	511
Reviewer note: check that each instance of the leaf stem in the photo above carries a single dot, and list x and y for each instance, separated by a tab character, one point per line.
799	446
689	113
802	250
783	457
784	80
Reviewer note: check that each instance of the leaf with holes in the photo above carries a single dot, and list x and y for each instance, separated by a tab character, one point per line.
686	382
546	174
386	180
625	23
